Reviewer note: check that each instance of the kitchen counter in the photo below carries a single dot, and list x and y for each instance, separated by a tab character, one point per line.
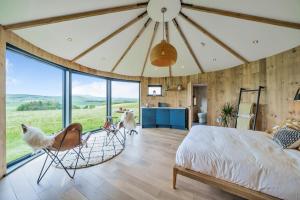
166	107
164	117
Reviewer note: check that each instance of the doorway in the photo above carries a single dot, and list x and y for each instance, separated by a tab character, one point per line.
197	98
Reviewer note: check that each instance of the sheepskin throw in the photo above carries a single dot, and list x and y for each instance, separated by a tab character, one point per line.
36	138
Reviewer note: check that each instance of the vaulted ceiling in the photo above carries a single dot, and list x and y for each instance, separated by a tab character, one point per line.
116	36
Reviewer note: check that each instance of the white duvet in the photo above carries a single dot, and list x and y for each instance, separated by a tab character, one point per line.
248	158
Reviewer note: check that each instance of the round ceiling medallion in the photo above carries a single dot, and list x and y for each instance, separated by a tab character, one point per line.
154	9
163	55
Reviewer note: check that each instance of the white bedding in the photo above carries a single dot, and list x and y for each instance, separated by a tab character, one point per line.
247	158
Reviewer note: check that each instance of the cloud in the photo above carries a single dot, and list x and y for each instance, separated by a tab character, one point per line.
8	65
97	89
125	90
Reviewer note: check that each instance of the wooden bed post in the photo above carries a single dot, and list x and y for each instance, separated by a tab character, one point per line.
174	177
2	103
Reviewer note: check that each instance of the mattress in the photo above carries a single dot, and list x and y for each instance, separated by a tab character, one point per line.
247	158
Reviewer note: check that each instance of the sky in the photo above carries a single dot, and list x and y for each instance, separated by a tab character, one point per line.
26	75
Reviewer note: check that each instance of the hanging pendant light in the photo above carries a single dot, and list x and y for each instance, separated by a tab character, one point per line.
163	54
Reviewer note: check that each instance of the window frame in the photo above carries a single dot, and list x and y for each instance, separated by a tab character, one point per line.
66	98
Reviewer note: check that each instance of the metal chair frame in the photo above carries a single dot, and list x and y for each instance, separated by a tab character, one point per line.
58	161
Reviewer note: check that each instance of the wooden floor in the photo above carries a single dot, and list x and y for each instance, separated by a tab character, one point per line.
142	171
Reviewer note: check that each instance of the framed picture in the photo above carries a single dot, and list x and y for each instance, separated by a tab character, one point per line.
154	90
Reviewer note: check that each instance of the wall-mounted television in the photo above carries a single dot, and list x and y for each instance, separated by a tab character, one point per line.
154	90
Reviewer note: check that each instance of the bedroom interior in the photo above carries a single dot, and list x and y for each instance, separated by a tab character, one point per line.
149	99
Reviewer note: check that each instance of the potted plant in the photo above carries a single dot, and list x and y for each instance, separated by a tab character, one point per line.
227	114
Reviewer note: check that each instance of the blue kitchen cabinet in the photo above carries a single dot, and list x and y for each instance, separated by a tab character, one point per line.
148	118
163	118
178	118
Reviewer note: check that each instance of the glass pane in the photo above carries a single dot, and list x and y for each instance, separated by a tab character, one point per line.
88	101
125	96
33	97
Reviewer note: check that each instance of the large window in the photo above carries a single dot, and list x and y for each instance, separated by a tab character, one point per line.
33	97
125	97
88	101
48	96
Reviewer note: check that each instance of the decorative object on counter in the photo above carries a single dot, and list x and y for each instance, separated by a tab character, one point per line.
179	87
227	114
160	104
297	96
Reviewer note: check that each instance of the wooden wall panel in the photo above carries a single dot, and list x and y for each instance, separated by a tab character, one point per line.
283	80
2	103
279	73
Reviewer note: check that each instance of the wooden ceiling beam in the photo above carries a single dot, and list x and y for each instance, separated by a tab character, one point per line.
188	45
243	16
214	38
150	46
131	44
74	16
122	28
168	40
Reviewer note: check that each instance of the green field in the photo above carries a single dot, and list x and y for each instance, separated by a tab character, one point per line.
50	121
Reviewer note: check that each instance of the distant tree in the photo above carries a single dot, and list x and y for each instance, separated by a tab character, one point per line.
39	105
75	107
92	106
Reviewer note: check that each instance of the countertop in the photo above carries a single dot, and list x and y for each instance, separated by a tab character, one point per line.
165	107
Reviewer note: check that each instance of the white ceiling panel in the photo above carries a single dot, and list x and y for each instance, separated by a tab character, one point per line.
104	57
278	9
83	32
211	55
240	34
133	62
13	11
185	64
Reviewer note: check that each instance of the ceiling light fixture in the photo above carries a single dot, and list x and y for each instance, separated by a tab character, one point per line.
163	54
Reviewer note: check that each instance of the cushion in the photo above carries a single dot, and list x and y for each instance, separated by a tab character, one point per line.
287	138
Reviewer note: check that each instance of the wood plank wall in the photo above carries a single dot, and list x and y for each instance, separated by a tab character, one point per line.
280	74
2	103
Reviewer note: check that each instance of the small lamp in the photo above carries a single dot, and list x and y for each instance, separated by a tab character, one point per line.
297	96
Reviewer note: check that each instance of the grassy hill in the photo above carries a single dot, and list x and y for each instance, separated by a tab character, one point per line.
14	100
50	120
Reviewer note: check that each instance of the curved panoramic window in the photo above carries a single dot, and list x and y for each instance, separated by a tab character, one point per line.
88	101
125	97
33	97
45	95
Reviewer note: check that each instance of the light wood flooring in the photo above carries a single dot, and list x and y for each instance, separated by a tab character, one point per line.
142	171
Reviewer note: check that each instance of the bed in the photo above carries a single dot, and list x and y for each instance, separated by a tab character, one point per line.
243	162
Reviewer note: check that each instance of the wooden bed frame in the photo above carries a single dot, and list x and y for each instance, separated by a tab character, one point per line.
221	184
